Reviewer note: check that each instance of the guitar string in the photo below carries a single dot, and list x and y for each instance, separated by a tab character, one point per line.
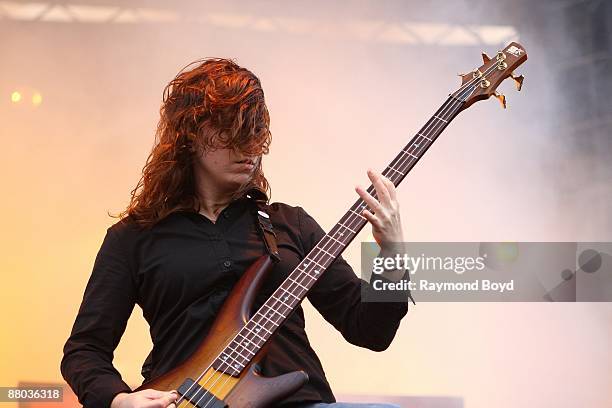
275	304
441	110
305	262
451	103
454	104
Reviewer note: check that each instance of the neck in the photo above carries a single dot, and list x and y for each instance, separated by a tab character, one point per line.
212	208
212	199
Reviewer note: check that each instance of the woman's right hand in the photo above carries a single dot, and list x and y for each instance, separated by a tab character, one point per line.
145	399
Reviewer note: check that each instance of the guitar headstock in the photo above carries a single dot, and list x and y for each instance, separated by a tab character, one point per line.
483	82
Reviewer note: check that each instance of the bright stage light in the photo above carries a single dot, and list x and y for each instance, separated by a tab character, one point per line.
15	97
36	99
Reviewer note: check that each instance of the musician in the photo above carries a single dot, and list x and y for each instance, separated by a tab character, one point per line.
189	233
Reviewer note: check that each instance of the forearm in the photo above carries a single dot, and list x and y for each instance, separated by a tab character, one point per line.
95	387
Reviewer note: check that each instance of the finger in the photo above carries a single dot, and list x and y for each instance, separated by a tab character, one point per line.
167	399
390	188
369	200
151	393
372	219
379	185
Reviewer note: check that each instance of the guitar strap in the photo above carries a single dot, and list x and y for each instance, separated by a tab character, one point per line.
263	222
259	209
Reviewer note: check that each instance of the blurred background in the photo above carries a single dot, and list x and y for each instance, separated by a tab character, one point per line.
347	84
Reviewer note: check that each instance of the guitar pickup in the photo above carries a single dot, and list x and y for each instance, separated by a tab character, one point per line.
199	396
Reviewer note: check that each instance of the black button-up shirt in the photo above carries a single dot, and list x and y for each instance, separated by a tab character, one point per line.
181	270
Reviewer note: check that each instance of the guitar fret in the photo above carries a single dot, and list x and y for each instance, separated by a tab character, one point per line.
410	154
229	364
340	242
246	342
255	329
237	352
294	288
232	364
275	324
347	227
245	358
238	344
313	261
276	311
397	171
357	214
297	283
225	356
290	293
262	326
280	300
321	249
268	320
244	337
224	366
305	272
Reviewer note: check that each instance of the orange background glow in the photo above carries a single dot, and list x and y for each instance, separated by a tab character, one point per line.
338	105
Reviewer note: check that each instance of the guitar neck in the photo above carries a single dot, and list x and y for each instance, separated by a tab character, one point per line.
296	286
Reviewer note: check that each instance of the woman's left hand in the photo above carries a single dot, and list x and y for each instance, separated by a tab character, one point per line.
385	218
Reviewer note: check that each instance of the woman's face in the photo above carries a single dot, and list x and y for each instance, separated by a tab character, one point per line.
228	169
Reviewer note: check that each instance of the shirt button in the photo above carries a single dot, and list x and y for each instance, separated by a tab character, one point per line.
227	264
226	214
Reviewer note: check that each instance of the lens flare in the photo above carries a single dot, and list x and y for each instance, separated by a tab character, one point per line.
36	99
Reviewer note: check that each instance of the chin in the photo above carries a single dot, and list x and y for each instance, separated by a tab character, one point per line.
238	182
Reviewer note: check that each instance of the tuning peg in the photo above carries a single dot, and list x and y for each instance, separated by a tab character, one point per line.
502	99
518	80
485	57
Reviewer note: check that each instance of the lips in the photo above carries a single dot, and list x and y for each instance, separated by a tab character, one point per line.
247	161
246	165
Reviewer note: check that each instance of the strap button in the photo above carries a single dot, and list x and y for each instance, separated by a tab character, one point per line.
227	264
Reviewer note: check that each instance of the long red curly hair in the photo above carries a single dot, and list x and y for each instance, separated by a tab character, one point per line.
216	104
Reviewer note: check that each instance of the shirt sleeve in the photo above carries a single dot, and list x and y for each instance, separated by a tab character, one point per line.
337	296
101	320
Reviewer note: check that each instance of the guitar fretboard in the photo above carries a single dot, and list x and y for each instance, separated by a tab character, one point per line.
295	287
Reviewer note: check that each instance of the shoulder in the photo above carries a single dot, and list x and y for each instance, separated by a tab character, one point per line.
124	230
278	208
285	212
295	216
282	214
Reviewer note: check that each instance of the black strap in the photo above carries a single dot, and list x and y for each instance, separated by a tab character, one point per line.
265	225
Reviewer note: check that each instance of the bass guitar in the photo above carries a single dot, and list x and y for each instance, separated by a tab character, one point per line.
224	371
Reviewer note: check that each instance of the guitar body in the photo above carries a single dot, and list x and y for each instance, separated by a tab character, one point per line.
249	389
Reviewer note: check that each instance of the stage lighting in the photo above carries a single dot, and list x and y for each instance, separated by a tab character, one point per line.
36	99
15	97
